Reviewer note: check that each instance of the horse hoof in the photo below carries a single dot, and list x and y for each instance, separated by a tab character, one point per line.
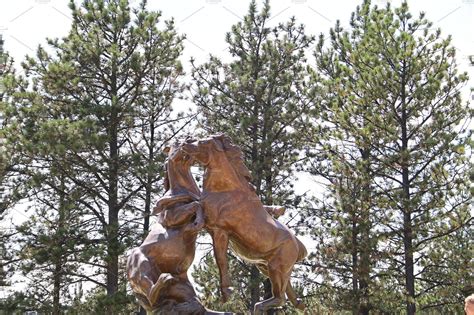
226	293
258	309
300	305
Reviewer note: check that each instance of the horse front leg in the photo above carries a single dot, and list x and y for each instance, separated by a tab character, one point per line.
220	240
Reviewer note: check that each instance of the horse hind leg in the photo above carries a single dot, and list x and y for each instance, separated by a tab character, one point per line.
141	274
290	292
279	269
297	302
279	279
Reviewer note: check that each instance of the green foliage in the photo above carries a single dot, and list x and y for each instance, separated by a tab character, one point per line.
207	273
10	130
89	129
380	119
393	150
17	304
52	242
11	161
259	99
97	301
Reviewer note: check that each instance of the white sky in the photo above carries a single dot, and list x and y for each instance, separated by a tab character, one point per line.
25	24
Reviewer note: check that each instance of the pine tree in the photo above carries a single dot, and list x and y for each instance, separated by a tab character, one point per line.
345	158
52	241
447	273
12	162
102	78
53	246
206	275
155	125
260	100
393	93
3	168
9	157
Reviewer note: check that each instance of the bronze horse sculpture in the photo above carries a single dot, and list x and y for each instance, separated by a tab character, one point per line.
235	216
157	269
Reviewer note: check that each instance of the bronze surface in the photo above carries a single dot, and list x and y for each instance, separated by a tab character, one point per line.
235	216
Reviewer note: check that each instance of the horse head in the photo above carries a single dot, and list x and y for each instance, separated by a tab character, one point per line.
177	158
176	161
178	180
220	157
203	150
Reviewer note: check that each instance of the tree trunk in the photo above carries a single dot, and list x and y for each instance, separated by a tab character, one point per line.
267	200
408	247
146	220
57	288
254	286
409	265
149	180
355	266
364	275
58	268
267	288
113	224
112	253
148	189
147	211
364	228
407	219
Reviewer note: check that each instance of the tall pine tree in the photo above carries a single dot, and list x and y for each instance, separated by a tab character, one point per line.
53	241
114	75
5	70
394	103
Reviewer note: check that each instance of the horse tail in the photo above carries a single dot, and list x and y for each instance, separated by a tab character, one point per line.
302	251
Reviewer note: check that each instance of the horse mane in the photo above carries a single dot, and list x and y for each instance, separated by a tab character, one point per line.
236	158
166	178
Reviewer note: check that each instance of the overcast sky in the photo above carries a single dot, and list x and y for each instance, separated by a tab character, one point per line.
26	23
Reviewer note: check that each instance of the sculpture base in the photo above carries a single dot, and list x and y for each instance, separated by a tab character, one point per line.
187	309
208	312
193	307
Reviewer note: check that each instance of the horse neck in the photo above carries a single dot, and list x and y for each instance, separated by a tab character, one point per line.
221	176
181	179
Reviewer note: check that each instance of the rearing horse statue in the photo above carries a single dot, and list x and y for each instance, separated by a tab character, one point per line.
157	269
235	216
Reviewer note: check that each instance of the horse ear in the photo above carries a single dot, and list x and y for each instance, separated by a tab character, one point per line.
189	139
166	181
218	145
166	149
227	141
